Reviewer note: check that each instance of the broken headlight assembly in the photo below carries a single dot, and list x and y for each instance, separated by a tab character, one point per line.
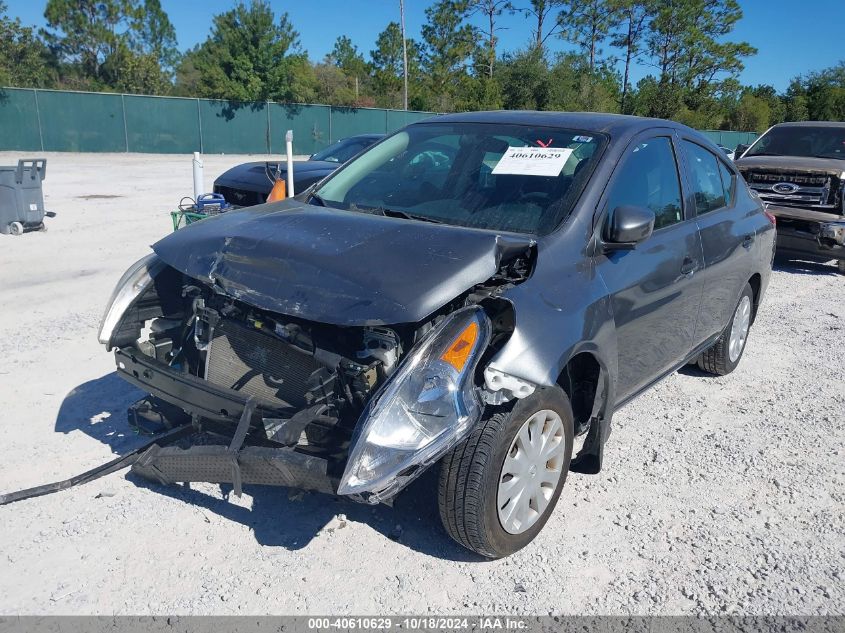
427	407
132	285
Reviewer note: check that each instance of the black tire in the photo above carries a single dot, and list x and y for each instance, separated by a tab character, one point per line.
840	265
469	476
716	360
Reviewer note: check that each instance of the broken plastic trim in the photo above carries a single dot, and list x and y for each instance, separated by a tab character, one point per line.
425	409
503	387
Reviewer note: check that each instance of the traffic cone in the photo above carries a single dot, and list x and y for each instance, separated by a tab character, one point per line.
278	192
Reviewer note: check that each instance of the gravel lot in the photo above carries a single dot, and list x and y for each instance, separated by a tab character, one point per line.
720	495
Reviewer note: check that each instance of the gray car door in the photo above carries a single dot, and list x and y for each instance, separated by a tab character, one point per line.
727	236
654	289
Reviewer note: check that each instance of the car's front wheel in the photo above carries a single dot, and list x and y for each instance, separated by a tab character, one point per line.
724	355
498	487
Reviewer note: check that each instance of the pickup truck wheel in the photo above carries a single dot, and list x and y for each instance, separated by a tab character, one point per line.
724	356
498	487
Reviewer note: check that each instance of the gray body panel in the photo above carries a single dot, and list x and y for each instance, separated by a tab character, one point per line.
635	311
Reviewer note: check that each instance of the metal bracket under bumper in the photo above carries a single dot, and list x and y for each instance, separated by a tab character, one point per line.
258	465
189	393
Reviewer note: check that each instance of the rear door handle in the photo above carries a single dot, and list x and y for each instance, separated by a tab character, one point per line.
688	266
748	240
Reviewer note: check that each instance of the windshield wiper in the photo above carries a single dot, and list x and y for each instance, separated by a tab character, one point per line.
394	213
409	216
313	197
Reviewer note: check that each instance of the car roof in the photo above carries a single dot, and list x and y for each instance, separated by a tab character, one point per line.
612	124
835	124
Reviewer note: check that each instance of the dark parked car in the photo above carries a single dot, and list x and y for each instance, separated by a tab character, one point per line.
250	183
476	291
798	170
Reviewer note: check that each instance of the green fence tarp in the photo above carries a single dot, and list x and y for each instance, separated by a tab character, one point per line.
55	120
397	119
81	121
729	138
19	120
159	125
352	121
232	127
311	125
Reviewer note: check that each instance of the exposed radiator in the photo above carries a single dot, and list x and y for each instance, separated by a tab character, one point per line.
250	361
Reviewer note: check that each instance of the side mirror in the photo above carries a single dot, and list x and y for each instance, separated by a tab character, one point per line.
740	150
628	225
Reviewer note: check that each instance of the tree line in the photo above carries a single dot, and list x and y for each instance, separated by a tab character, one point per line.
691	63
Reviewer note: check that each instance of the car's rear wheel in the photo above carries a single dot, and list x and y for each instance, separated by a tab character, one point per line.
724	356
499	487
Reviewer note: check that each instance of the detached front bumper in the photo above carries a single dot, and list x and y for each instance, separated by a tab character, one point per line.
809	234
216	457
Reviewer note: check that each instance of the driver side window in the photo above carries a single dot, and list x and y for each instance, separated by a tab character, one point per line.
648	178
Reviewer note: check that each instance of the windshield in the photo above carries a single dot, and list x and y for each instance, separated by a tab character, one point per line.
801	140
343	150
518	178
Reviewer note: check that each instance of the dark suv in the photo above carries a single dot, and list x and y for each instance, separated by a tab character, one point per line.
475	291
798	170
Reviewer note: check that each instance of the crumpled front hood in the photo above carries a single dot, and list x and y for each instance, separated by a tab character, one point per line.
792	164
336	267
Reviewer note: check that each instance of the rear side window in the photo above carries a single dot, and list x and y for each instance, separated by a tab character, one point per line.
706	179
728	183
648	177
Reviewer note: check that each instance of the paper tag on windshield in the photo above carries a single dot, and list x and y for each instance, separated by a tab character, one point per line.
532	161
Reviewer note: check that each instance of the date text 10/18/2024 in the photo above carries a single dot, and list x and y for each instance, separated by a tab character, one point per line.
419	623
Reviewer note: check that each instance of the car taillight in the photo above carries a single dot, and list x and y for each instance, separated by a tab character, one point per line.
772	218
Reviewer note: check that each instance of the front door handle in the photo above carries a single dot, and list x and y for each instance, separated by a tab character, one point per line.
748	240
688	266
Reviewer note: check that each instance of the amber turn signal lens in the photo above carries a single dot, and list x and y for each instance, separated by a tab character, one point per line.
278	192
460	349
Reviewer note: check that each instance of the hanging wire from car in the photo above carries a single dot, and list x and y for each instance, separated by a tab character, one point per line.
118	463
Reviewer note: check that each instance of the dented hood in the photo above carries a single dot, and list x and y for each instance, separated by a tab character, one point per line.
337	267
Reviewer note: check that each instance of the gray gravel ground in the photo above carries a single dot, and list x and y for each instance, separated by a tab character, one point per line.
720	495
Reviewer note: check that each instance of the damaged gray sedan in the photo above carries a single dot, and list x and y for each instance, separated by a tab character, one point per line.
477	291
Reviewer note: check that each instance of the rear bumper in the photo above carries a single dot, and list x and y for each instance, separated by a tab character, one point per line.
815	235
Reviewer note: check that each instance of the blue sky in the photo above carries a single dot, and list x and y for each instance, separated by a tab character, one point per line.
792	37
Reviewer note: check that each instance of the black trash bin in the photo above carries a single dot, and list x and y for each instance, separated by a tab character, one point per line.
21	196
